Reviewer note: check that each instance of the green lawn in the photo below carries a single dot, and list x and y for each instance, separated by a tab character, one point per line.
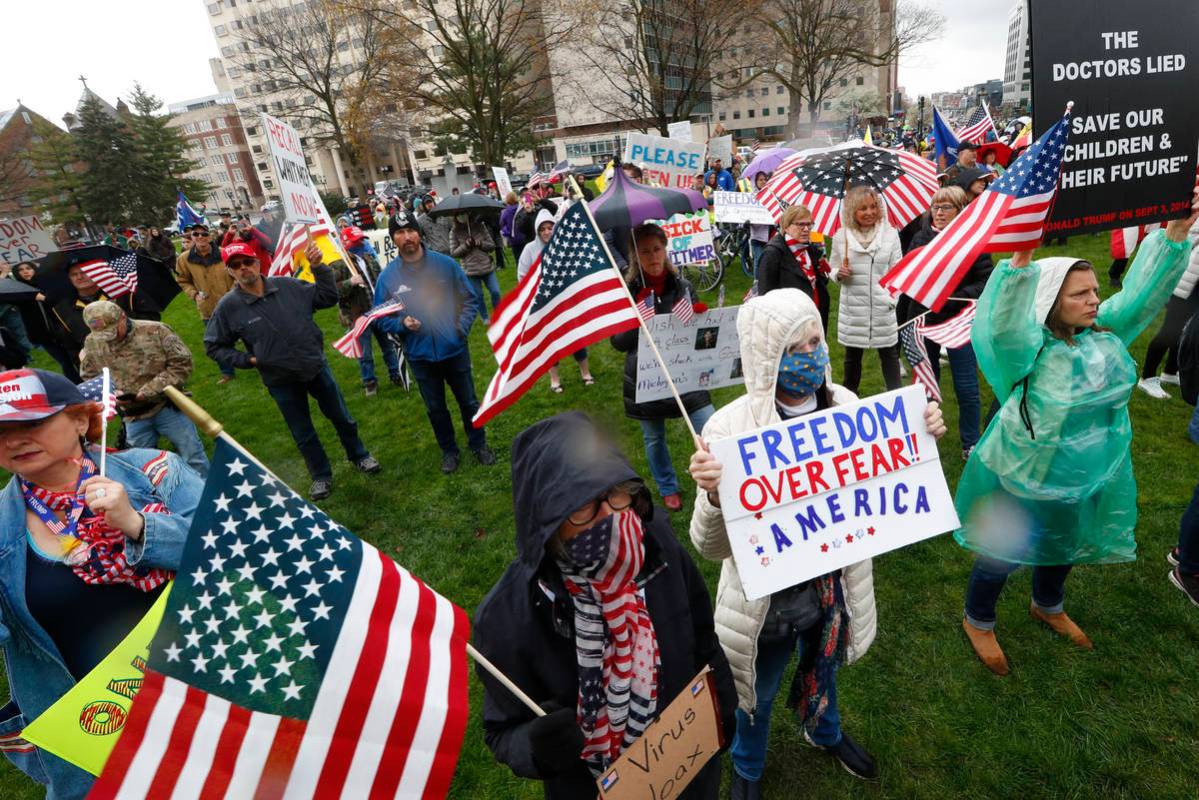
1119	722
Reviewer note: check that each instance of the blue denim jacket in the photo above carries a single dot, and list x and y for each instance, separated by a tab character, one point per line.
436	292
37	676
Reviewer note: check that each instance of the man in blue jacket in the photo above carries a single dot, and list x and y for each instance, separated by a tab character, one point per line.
439	307
724	178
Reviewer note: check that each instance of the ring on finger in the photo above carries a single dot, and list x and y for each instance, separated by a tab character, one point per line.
101	492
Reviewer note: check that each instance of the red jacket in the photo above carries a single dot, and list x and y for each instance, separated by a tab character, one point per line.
263	250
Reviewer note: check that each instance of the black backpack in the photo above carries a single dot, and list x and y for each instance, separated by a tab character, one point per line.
1188	360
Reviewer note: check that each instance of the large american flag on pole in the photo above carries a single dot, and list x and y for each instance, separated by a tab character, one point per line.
572	297
293	660
977	125
115	278
1009	216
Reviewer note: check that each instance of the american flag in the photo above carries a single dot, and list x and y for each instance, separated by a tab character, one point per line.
349	345
646	307
912	343
93	391
977	125
754	145
1010	215
293	659
819	182
560	169
115	278
683	311
572	297
535	180
953	332
292	241
1125	240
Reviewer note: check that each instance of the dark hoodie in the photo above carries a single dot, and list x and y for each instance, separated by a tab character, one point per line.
525	625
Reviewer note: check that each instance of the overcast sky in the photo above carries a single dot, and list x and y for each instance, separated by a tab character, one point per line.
166	44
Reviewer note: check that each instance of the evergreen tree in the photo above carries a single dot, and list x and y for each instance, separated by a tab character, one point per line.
57	174
162	162
109	152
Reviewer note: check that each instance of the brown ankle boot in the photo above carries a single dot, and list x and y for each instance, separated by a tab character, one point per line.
986	647
1062	625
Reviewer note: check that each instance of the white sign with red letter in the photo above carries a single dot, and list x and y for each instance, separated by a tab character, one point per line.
295	184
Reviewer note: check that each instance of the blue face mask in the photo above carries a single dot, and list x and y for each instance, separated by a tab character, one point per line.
801	374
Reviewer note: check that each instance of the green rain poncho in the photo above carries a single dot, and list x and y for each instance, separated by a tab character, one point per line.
1065	493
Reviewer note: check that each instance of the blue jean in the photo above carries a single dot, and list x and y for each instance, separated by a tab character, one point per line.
753	732
292	399
963	366
1193	428
1188	537
492	283
653	431
987	580
179	431
366	362
756	248
10	319
432	378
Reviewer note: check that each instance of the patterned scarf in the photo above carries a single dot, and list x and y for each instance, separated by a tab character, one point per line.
94	550
804	259
615	643
818	668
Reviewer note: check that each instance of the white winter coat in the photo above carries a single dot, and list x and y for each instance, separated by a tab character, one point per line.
866	314
766	325
1186	284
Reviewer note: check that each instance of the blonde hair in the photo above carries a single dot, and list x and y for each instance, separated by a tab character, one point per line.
951	194
855	198
510	198
792	214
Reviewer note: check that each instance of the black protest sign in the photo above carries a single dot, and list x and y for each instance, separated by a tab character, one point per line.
1132	70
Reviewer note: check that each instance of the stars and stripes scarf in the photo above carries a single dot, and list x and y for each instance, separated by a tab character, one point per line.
93	549
804	259
615	643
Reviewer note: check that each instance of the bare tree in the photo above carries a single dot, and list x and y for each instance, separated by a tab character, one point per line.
654	61
813	47
475	69
326	60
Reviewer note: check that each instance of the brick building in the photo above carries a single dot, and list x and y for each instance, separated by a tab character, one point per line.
217	143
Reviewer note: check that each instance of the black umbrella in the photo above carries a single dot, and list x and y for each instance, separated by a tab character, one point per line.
469	203
626	204
156	285
13	291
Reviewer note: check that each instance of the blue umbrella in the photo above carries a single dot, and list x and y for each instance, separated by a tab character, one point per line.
767	161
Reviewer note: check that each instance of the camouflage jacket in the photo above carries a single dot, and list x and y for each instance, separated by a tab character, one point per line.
150	358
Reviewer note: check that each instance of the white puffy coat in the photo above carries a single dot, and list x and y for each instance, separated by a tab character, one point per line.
1186	284
766	325
866	314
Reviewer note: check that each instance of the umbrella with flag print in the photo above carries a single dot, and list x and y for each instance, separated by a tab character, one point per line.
118	272
819	179
626	204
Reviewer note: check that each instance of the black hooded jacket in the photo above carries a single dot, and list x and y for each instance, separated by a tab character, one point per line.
525	625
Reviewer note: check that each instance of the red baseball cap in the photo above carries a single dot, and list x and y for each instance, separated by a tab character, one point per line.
237	249
352	235
33	394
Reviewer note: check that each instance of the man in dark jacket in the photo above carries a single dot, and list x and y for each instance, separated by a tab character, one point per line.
569	484
273	316
439	307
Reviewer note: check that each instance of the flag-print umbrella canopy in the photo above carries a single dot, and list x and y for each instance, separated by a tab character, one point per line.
767	161
819	180
156	284
627	204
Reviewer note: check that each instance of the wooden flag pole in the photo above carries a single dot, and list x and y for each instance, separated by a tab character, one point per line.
205	422
640	320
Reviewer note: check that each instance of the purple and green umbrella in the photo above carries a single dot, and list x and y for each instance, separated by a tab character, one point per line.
627	204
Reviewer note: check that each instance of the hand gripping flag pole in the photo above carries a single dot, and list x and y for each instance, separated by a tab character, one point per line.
210	427
641	321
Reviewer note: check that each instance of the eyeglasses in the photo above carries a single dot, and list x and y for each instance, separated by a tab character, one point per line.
803	225
239	263
201	234
617	500
944	207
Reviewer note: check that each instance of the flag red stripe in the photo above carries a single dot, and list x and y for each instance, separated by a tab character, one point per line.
277	769
167	774
366	677
442	771
115	769
412	697
225	757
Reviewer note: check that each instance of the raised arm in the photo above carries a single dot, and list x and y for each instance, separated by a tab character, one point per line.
1007	335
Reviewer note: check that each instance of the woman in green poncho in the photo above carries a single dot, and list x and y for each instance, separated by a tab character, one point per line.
1050	483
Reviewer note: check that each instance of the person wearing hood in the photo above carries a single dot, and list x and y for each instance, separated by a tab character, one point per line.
1050	484
471	243
590	544
434	231
862	252
971	180
545	229
791	261
824	621
158	245
651	276
947	203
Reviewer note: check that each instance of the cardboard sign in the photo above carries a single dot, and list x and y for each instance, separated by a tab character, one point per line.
673	749
295	184
740	207
1131	70
722	147
502	182
703	353
816	493
666	162
23	239
680	131
688	238
84	724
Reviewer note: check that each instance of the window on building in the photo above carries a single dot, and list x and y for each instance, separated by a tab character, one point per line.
781	111
210	142
765	91
779	89
226	140
267	183
722	116
861	81
252	130
205	124
827	105
261	166
736	115
220	122
419	154
749	92
227	51
189	127
231	158
844	82
750	113
766	112
233	72
214	8
220	30
238	175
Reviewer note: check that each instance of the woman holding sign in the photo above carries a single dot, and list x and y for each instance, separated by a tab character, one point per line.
823	621
86	554
1050	483
657	282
